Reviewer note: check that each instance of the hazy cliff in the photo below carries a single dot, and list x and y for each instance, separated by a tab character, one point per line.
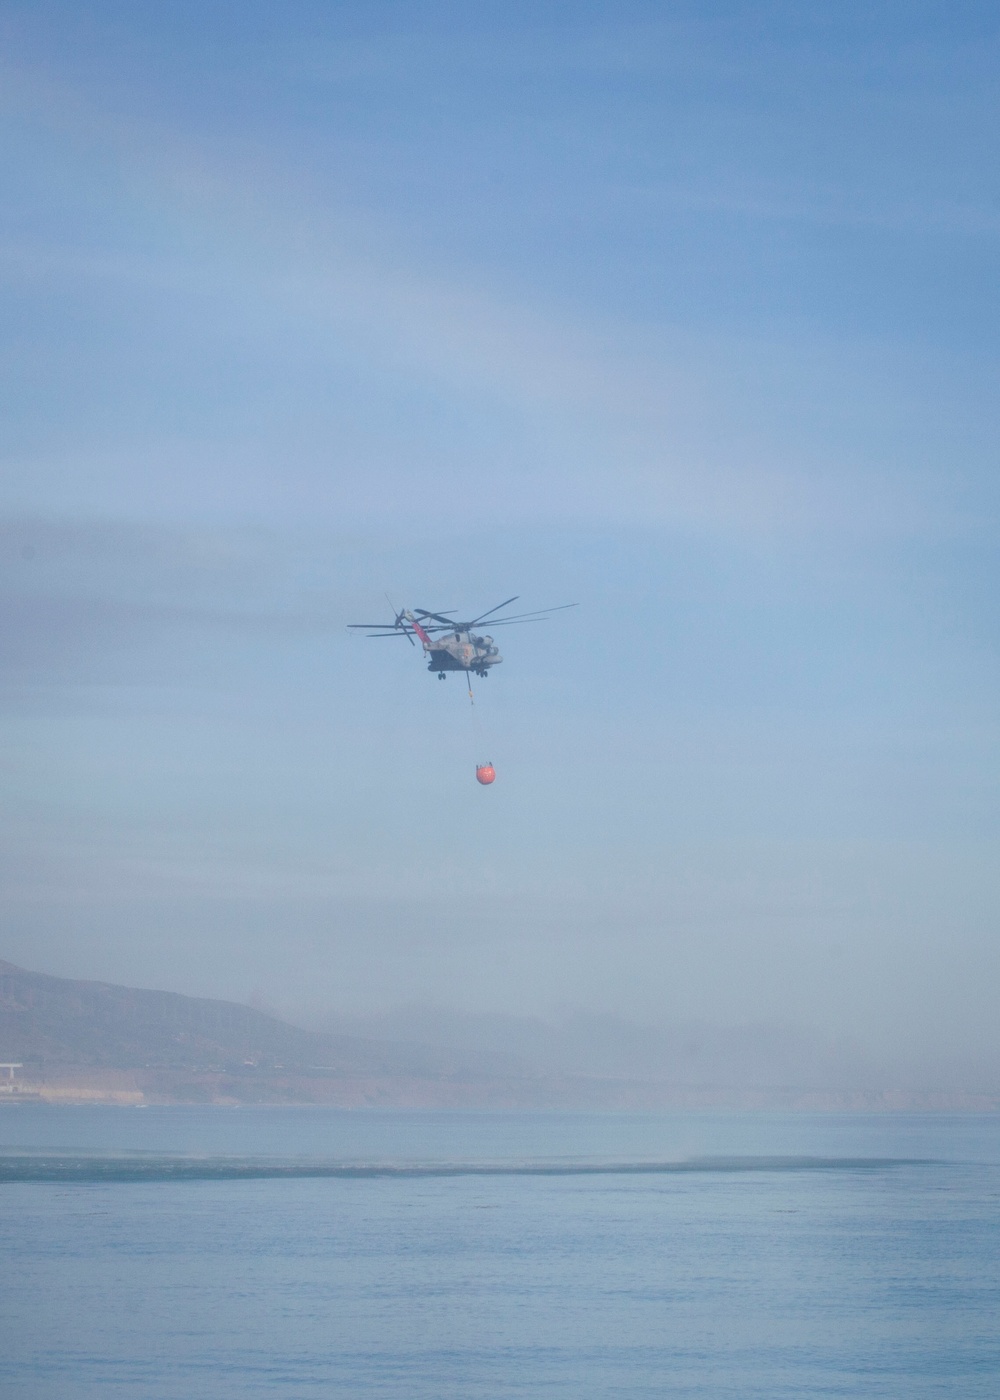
57	1021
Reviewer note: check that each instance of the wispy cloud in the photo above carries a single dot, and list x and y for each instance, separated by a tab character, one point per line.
417	385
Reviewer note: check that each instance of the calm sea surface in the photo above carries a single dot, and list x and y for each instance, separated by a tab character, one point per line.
189	1253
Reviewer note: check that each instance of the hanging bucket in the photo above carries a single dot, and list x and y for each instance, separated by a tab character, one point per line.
486	774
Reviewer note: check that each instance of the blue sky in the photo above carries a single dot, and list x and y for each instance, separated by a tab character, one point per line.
683	311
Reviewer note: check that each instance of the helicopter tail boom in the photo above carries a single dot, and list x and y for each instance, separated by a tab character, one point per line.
412	621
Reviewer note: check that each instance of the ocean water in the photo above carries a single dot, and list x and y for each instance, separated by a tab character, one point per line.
218	1253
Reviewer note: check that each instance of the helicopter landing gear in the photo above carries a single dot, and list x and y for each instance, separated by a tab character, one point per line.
440	675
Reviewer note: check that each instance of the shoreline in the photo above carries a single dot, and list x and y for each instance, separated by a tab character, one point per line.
75	1087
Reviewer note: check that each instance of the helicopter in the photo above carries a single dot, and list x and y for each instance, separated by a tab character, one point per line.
450	645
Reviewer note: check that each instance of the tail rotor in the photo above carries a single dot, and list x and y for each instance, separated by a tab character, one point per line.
400	623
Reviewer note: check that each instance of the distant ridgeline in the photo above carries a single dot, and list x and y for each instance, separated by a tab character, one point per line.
47	1022
65	1041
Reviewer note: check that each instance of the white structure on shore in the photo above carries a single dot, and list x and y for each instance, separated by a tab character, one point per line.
8	1087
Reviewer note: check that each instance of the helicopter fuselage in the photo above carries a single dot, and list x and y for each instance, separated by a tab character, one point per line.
461	650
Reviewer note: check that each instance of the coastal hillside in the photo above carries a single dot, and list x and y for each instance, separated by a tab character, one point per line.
87	1042
58	1021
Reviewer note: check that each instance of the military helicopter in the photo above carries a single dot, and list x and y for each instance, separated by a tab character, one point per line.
450	645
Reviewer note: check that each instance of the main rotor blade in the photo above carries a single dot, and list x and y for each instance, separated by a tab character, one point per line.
371	624
516	621
398	633
438	617
542	612
493	610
